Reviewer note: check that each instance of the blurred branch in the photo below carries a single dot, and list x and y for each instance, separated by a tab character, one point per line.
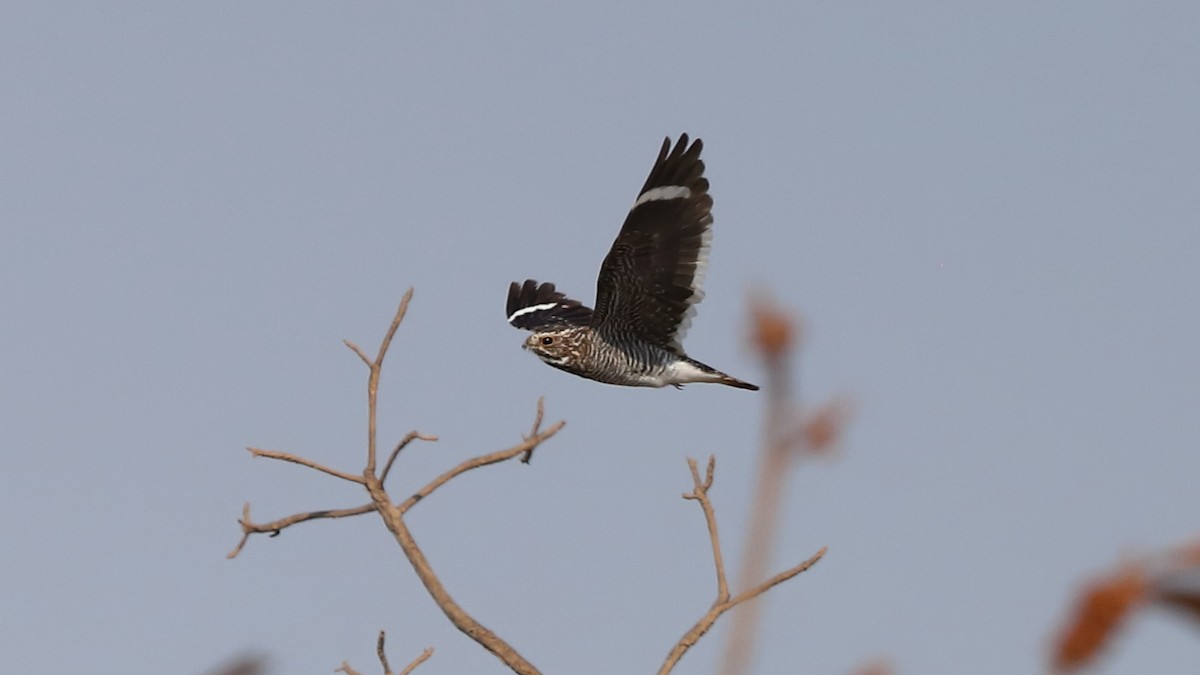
775	335
245	665
723	602
393	514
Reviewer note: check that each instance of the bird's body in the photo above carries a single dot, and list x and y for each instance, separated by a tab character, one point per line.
646	292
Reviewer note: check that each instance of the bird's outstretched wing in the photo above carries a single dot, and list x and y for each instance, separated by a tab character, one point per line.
650	281
532	306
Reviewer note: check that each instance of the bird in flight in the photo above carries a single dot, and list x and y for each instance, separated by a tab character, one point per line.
646	293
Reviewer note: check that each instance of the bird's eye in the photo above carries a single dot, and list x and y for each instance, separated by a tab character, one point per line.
547	340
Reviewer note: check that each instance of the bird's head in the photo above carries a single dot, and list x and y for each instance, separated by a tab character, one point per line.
559	347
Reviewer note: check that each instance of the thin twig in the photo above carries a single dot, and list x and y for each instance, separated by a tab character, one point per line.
391	332
276	526
408	438
354	348
295	459
778	579
383	660
700	493
537	423
723	603
463	621
376	368
476	462
418	661
706	622
387	670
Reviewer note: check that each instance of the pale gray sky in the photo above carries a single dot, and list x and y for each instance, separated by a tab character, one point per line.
988	217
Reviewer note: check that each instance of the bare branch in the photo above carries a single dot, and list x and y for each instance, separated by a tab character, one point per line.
383	661
387	670
723	603
463	621
373	380
392	514
393	517
391	332
276	526
537	423
418	661
408	438
387	338
294	459
353	347
700	493
526	446
778	578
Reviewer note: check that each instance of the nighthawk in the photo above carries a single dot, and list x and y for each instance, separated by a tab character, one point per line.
646	293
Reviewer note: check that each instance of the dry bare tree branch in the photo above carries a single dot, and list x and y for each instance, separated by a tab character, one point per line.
382	653
295	459
276	526
392	514
700	493
417	661
408	438
383	660
527	446
723	602
376	367
537	423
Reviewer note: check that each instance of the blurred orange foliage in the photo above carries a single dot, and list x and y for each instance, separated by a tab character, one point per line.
1102	607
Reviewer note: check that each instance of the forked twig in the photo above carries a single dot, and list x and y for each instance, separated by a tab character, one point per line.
276	526
376	367
383	660
700	493
723	602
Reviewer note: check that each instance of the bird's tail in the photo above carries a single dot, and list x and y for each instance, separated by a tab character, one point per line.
734	382
713	375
